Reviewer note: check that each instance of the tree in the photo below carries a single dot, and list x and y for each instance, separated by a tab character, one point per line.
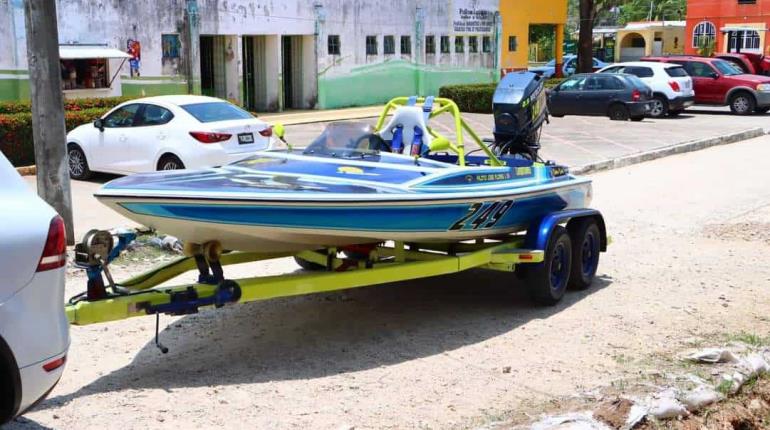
655	10
590	11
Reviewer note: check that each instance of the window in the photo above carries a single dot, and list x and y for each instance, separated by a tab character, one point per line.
389	45
459	44
371	45
445	44
603	83
727	68
747	1
513	44
430	44
486	44
704	33
473	44
642	72
155	115
216	111
170	45
123	117
406	45
676	72
87	73
745	40
573	84
617	69
333	44
697	69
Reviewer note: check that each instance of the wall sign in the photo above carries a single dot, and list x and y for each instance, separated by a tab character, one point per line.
471	17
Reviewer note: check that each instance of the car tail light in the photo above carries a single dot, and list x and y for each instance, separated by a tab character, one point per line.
55	364
636	95
675	86
209	137
55	250
267	132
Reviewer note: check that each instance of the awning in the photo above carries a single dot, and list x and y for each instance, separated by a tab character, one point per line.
740	28
82	52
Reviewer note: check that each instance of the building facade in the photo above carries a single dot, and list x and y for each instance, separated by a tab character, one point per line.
653	38
517	17
263	54
728	26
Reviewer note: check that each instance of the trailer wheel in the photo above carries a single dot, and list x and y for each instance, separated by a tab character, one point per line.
309	265
586	247
547	281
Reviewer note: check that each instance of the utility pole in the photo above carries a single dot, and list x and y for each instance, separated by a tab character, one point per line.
48	130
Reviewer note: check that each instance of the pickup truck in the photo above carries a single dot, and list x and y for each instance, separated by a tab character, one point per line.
753	64
720	83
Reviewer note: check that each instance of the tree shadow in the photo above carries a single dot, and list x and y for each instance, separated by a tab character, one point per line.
320	335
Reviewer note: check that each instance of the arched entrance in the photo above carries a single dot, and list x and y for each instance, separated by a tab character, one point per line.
632	47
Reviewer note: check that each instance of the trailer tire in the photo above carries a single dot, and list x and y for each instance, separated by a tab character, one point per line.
309	265
586	248
547	281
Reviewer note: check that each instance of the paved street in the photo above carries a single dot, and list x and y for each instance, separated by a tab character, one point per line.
580	140
688	265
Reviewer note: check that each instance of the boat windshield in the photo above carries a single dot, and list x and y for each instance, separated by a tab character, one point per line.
347	140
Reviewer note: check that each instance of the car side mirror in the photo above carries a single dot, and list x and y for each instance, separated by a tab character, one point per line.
440	143
279	130
714	75
99	124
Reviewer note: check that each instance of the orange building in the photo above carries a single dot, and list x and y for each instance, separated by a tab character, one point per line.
732	25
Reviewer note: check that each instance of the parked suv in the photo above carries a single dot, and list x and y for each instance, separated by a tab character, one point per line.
671	85
718	82
34	333
618	96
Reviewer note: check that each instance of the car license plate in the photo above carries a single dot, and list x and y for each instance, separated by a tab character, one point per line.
245	138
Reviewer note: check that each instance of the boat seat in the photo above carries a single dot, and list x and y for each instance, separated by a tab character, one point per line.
407	129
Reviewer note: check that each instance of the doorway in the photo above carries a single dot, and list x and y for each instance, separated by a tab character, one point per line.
291	54
249	74
213	66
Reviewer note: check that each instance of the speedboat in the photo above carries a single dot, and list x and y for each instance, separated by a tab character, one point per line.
356	184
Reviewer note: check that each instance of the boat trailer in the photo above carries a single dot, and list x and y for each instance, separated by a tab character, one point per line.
542	257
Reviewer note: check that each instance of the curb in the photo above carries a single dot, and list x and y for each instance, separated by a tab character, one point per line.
677	148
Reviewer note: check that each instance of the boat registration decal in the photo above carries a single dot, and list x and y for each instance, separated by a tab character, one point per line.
482	215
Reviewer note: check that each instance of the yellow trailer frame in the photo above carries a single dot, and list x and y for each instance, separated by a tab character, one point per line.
144	294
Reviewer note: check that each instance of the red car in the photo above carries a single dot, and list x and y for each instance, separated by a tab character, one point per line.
719	83
753	64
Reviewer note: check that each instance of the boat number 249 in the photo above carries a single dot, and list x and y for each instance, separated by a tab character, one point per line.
482	215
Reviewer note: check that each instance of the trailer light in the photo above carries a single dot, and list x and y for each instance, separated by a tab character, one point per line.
55	364
209	137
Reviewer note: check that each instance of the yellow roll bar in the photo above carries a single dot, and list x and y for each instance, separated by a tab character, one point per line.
443	106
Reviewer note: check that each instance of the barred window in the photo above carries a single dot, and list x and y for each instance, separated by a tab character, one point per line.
333	44
371	45
473	44
389	45
445	44
430	44
406	45
459	44
704	33
486	44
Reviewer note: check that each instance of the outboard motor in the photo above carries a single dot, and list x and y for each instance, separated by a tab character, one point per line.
520	107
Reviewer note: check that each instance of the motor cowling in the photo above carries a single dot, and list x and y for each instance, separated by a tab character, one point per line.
519	106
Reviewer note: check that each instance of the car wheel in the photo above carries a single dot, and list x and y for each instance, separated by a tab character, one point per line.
170	162
78	164
742	103
618	112
658	107
762	109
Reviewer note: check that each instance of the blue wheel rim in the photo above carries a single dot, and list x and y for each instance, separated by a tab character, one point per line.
559	268
589	254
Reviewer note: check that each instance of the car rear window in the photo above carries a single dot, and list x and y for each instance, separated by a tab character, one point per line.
216	111
676	72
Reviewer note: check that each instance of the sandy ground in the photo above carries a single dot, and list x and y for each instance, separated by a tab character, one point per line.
432	354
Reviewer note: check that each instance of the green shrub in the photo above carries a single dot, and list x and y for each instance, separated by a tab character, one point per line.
69	105
16	132
477	98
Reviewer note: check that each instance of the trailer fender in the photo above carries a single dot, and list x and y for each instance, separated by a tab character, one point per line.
540	231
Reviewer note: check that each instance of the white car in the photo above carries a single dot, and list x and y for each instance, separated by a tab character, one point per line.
34	333
671	85
166	133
